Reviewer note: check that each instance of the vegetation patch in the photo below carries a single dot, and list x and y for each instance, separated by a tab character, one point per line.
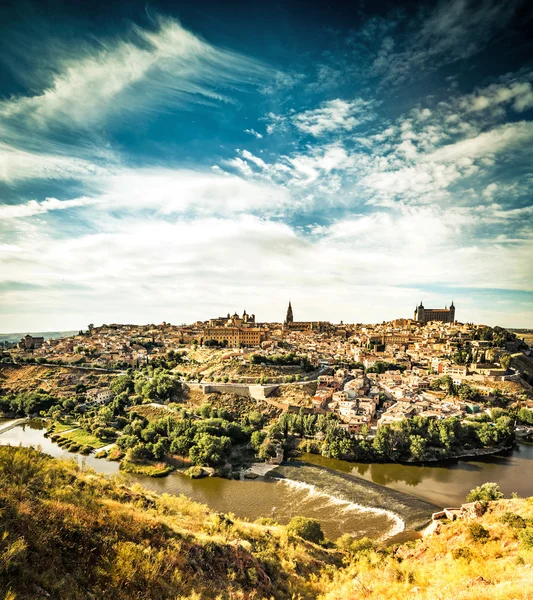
84	438
196	472
158	469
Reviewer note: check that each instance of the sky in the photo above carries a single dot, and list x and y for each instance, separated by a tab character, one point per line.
177	161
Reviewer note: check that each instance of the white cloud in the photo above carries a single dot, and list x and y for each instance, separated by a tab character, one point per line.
17	165
333	116
32	207
188	269
518	94
166	66
506	137
167	192
253	132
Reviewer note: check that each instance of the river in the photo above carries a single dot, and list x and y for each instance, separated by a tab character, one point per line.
345	497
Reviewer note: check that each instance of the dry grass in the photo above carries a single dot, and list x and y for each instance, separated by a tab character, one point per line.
65	530
435	569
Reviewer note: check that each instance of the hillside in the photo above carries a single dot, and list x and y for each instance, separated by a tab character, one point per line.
70	534
57	380
48	335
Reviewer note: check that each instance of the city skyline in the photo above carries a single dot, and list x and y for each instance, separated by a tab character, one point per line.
160	162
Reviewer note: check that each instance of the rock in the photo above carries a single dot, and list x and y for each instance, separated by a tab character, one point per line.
432	529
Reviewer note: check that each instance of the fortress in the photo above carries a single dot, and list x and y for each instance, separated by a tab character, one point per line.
425	315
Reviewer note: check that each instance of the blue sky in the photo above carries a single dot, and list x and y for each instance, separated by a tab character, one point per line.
177	161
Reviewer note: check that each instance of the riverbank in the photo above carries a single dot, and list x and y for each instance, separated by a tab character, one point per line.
441	484
279	498
466	454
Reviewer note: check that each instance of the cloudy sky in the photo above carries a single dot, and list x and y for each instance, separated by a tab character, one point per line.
178	161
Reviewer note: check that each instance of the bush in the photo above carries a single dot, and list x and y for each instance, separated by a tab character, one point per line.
462	552
526	537
195	472
478	533
513	520
268	521
485	493
352	546
308	529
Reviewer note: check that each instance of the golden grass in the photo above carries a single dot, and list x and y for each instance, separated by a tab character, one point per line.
65	530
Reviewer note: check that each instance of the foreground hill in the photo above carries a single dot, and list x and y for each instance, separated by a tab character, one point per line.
69	534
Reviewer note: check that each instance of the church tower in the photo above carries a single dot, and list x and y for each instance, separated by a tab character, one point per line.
419	313
289	317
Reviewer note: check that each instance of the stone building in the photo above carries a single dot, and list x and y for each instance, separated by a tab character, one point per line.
28	342
443	315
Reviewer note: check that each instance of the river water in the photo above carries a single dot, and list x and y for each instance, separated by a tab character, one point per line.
345	497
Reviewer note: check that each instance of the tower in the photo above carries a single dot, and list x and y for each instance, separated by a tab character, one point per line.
452	313
419	313
289	317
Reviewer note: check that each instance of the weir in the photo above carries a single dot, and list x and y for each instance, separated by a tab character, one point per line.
363	495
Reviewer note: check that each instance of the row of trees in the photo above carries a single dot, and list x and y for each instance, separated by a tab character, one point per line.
278	360
206	437
416	439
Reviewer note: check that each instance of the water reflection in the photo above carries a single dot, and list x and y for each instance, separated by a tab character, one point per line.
246	499
443	484
446	482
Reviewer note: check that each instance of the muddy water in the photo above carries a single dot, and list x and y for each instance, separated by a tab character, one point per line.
448	482
345	497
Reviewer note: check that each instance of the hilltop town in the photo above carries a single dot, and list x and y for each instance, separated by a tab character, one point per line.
360	380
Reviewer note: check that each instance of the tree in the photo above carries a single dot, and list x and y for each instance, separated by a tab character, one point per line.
505	361
485	493
122	383
525	416
209	449
258	437
137	453
418	447
266	450
105	433
308	529
160	448
382	443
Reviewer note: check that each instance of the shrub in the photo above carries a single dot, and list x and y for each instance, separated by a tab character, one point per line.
308	529
462	552
485	493
353	546
478	533
195	472
513	520
268	521
526	537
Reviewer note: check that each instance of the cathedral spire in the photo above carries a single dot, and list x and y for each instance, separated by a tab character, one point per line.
289	317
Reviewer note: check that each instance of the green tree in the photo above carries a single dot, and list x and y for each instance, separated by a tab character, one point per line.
307	529
485	493
258	437
418	447
209	450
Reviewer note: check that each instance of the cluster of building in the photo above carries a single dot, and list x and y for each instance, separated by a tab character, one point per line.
367	374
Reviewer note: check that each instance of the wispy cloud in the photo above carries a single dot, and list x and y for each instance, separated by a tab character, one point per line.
255	133
171	63
334	115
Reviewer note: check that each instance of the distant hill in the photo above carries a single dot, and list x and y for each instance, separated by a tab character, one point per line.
15	337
